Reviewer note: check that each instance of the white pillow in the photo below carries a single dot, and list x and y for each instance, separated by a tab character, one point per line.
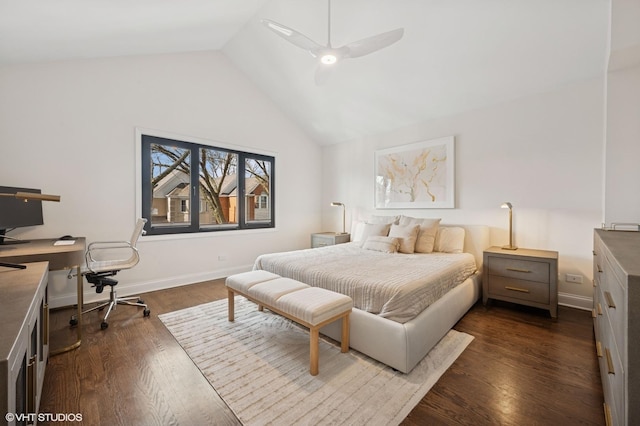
450	239
426	235
357	228
374	229
406	235
383	244
358	225
384	219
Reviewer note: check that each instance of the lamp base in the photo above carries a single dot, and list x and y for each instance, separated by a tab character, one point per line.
509	248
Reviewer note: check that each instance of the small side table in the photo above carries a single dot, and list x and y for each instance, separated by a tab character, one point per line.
525	276
321	239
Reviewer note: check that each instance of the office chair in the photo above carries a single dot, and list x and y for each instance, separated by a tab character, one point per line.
104	260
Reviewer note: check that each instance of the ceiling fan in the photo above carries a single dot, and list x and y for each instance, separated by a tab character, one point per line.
329	55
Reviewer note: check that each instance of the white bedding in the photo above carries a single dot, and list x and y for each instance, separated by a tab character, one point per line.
392	285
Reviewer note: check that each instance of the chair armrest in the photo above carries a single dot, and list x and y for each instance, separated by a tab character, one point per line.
127	255
97	245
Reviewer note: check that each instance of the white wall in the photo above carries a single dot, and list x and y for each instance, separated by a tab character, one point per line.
69	129
622	176
542	153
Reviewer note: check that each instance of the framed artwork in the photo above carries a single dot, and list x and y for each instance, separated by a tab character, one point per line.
418	175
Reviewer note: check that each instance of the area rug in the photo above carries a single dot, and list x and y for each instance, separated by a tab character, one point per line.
259	365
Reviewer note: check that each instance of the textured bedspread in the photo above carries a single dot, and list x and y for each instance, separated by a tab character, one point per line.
393	285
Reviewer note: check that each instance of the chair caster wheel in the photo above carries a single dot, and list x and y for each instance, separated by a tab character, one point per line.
104	325
146	312
141	301
73	321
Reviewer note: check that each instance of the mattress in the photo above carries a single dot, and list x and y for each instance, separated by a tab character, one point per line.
394	286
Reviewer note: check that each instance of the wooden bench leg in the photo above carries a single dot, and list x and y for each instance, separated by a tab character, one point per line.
314	351
230	304
344	346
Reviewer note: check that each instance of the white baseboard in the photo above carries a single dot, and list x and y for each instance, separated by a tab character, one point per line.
575	301
146	286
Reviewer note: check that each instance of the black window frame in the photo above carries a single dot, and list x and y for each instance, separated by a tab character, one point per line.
194	206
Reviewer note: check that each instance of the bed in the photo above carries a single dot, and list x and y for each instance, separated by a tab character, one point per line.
404	302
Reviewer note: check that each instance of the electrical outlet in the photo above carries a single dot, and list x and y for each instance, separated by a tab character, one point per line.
573	278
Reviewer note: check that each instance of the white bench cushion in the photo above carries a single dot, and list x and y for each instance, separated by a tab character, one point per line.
244	281
314	305
270	291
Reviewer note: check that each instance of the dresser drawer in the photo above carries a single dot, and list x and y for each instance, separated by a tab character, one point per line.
597	264
613	309
613	300
518	289
612	374
598	318
519	268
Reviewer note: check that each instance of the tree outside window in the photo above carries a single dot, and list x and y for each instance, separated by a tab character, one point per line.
189	187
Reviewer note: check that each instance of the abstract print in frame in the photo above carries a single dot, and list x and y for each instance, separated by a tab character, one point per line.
418	175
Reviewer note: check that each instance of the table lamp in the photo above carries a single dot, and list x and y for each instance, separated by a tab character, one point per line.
507	205
336	204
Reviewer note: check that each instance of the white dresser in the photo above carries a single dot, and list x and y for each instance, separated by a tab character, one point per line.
616	313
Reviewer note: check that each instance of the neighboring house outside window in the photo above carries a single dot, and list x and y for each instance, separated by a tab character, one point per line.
188	187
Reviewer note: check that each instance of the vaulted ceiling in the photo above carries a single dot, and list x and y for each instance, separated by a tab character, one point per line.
455	55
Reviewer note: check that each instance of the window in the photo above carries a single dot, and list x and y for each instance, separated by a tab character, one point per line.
189	187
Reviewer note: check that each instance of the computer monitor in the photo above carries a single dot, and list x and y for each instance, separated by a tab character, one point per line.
15	213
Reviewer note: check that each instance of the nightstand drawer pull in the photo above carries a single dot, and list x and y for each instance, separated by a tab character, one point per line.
593	313
610	368
526	271
599	349
599	309
521	290
609	298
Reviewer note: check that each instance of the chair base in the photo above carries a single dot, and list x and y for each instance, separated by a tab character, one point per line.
112	303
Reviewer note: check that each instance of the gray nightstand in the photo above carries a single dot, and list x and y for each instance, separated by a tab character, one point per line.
525	276
321	239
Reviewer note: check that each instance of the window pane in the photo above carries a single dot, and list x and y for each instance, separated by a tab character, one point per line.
218	188
170	177
257	175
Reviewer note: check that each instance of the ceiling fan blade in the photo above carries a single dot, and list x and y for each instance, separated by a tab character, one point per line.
323	72
292	36
373	43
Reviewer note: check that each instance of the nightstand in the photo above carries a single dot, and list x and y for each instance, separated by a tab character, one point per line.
321	239
525	276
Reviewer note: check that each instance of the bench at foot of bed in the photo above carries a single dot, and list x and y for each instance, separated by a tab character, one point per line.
311	307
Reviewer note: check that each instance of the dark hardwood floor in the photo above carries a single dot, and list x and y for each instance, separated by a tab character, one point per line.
522	368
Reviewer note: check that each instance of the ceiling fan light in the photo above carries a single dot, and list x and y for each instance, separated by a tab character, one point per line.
328	59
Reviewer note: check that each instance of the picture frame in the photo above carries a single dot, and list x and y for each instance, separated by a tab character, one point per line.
419	175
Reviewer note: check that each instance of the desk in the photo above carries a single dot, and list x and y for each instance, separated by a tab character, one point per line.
60	258
24	341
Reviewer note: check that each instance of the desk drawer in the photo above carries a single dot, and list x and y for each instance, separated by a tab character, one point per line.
519	289
519	268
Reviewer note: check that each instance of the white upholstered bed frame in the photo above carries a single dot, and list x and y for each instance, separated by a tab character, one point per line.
402	346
